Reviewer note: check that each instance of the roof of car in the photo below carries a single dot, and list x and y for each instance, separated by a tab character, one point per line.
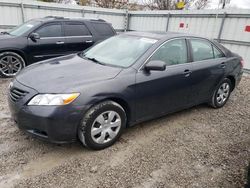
58	18
158	34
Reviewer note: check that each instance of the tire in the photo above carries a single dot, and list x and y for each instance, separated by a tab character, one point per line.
221	94
10	64
100	127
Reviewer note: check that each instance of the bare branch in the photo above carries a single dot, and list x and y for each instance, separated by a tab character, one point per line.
201	4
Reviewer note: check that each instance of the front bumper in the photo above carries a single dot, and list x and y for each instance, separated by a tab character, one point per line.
57	124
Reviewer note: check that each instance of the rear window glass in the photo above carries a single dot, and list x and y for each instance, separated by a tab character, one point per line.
202	50
217	53
103	28
76	29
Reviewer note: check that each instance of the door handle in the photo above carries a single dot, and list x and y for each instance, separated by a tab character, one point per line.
187	72
59	42
88	41
223	65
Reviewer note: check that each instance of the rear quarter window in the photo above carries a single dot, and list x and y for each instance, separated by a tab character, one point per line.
103	29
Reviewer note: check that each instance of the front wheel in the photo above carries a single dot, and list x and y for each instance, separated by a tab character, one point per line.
10	64
102	125
221	94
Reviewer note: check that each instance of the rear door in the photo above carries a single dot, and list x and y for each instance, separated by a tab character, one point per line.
208	68
51	43
77	36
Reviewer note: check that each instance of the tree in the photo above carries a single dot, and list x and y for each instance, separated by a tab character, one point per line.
201	4
60	1
49	1
140	4
111	3
171	4
84	2
159	4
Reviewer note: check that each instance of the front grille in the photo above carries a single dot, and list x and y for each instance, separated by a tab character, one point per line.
17	94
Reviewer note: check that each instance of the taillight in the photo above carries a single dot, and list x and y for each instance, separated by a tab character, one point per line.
242	63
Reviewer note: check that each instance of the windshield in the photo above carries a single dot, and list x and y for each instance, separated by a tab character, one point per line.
21	29
121	50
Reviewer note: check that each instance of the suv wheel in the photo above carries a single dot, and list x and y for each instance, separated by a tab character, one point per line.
221	94
102	125
10	64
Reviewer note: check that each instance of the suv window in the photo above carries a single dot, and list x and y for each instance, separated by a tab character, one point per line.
202	50
172	53
76	29
51	30
103	28
217	53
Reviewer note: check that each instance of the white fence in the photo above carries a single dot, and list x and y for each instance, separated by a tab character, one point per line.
230	27
15	12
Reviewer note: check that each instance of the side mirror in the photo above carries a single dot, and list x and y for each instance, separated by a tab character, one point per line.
155	65
34	36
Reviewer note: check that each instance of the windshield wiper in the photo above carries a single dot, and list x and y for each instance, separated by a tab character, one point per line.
94	60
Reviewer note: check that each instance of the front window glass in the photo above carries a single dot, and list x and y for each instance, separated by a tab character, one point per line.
121	50
52	30
20	30
172	53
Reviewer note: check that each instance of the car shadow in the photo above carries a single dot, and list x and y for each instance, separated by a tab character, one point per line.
248	177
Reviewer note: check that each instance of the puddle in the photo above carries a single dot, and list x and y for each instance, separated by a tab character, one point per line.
39	166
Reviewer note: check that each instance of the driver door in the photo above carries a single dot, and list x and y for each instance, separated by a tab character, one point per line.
50	44
161	92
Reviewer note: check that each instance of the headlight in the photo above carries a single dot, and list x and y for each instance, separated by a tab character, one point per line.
53	99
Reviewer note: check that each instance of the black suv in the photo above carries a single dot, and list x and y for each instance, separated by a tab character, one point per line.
48	37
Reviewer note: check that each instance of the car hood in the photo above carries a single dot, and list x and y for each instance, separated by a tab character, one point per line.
6	37
64	73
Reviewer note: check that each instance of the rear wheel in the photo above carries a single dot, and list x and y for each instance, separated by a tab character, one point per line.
102	125
10	64
221	94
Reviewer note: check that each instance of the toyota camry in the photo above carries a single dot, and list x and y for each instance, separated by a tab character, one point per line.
129	78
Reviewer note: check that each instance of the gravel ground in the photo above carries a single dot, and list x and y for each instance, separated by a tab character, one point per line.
198	147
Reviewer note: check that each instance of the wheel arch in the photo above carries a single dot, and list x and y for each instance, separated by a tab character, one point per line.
17	51
124	104
232	79
119	100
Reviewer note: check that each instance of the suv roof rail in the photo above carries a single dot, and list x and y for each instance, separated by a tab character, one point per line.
97	19
56	17
91	19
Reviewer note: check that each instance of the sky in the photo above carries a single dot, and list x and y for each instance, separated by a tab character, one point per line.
233	3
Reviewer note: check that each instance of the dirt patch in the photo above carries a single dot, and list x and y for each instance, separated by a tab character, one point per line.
198	147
